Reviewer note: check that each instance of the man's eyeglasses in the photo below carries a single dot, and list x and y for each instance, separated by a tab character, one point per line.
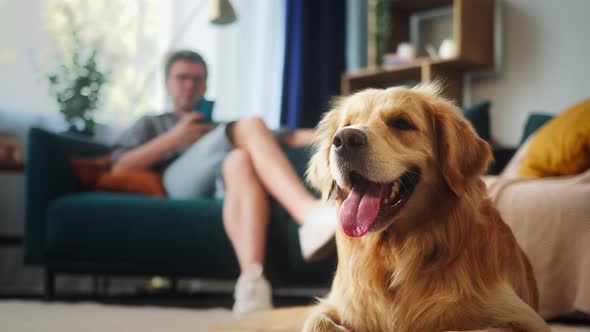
185	78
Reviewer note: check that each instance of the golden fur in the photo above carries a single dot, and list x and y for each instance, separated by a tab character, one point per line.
446	261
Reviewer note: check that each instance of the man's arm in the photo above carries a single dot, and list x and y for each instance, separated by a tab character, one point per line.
184	133
146	155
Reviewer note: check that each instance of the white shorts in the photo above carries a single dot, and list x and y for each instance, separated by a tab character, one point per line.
197	172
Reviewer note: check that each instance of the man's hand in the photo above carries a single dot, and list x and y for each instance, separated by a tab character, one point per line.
189	129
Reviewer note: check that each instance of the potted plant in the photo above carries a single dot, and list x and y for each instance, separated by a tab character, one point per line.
78	81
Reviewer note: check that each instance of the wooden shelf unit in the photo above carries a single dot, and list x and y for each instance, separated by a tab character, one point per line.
473	31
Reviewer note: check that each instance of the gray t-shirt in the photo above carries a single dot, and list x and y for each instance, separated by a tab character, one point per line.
142	131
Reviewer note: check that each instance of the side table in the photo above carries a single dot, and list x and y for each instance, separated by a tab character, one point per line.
10	240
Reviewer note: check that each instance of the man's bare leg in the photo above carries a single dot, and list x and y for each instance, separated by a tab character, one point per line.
318	220
245	209
245	218
272	166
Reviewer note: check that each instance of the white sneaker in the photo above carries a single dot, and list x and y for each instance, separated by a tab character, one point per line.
316	235
252	292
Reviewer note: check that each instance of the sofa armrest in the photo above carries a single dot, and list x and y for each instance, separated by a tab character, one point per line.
49	176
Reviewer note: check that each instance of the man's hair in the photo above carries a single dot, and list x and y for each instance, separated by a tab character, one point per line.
184	55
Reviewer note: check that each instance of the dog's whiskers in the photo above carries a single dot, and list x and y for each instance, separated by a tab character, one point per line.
414	180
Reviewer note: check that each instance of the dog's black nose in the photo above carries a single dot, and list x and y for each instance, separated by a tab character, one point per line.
349	139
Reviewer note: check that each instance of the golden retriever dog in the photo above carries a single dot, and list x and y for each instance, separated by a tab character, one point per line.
420	247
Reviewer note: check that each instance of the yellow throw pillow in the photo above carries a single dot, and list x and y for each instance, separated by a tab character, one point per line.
561	146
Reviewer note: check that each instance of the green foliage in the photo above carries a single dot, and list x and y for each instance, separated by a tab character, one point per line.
382	28
78	81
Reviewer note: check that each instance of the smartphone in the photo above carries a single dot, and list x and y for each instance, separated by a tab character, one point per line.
206	107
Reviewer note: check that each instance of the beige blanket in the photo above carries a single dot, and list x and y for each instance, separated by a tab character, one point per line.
550	218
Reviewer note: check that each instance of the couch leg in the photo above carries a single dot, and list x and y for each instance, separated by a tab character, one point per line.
173	285
105	285
49	284
95	285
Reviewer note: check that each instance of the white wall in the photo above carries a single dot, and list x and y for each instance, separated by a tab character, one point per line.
22	86
546	63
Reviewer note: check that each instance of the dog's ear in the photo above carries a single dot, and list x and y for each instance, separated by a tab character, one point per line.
462	154
318	172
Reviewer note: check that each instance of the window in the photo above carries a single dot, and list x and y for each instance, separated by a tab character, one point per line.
245	59
127	36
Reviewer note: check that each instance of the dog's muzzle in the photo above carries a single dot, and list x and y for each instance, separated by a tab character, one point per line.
348	143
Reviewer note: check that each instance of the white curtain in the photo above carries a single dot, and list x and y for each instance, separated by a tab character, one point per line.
245	58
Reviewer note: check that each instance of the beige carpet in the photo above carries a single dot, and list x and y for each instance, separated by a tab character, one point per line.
32	316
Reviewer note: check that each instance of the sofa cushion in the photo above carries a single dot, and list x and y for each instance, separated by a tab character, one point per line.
534	122
89	169
138	234
144	181
186	236
94	174
479	116
561	146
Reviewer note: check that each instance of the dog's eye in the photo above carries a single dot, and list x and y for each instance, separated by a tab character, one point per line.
401	124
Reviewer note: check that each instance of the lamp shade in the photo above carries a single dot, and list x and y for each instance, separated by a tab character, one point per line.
221	12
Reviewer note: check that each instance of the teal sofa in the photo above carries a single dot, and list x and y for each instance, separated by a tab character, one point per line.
101	233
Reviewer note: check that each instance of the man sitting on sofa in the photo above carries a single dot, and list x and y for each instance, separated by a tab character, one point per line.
189	151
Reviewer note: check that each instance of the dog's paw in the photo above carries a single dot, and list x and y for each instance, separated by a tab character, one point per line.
322	323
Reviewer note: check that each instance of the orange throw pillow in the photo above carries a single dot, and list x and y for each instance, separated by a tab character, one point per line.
89	170
144	182
95	174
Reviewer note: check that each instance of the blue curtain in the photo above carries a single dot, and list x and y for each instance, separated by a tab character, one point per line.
314	59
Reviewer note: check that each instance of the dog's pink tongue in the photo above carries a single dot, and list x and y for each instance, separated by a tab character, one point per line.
360	208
